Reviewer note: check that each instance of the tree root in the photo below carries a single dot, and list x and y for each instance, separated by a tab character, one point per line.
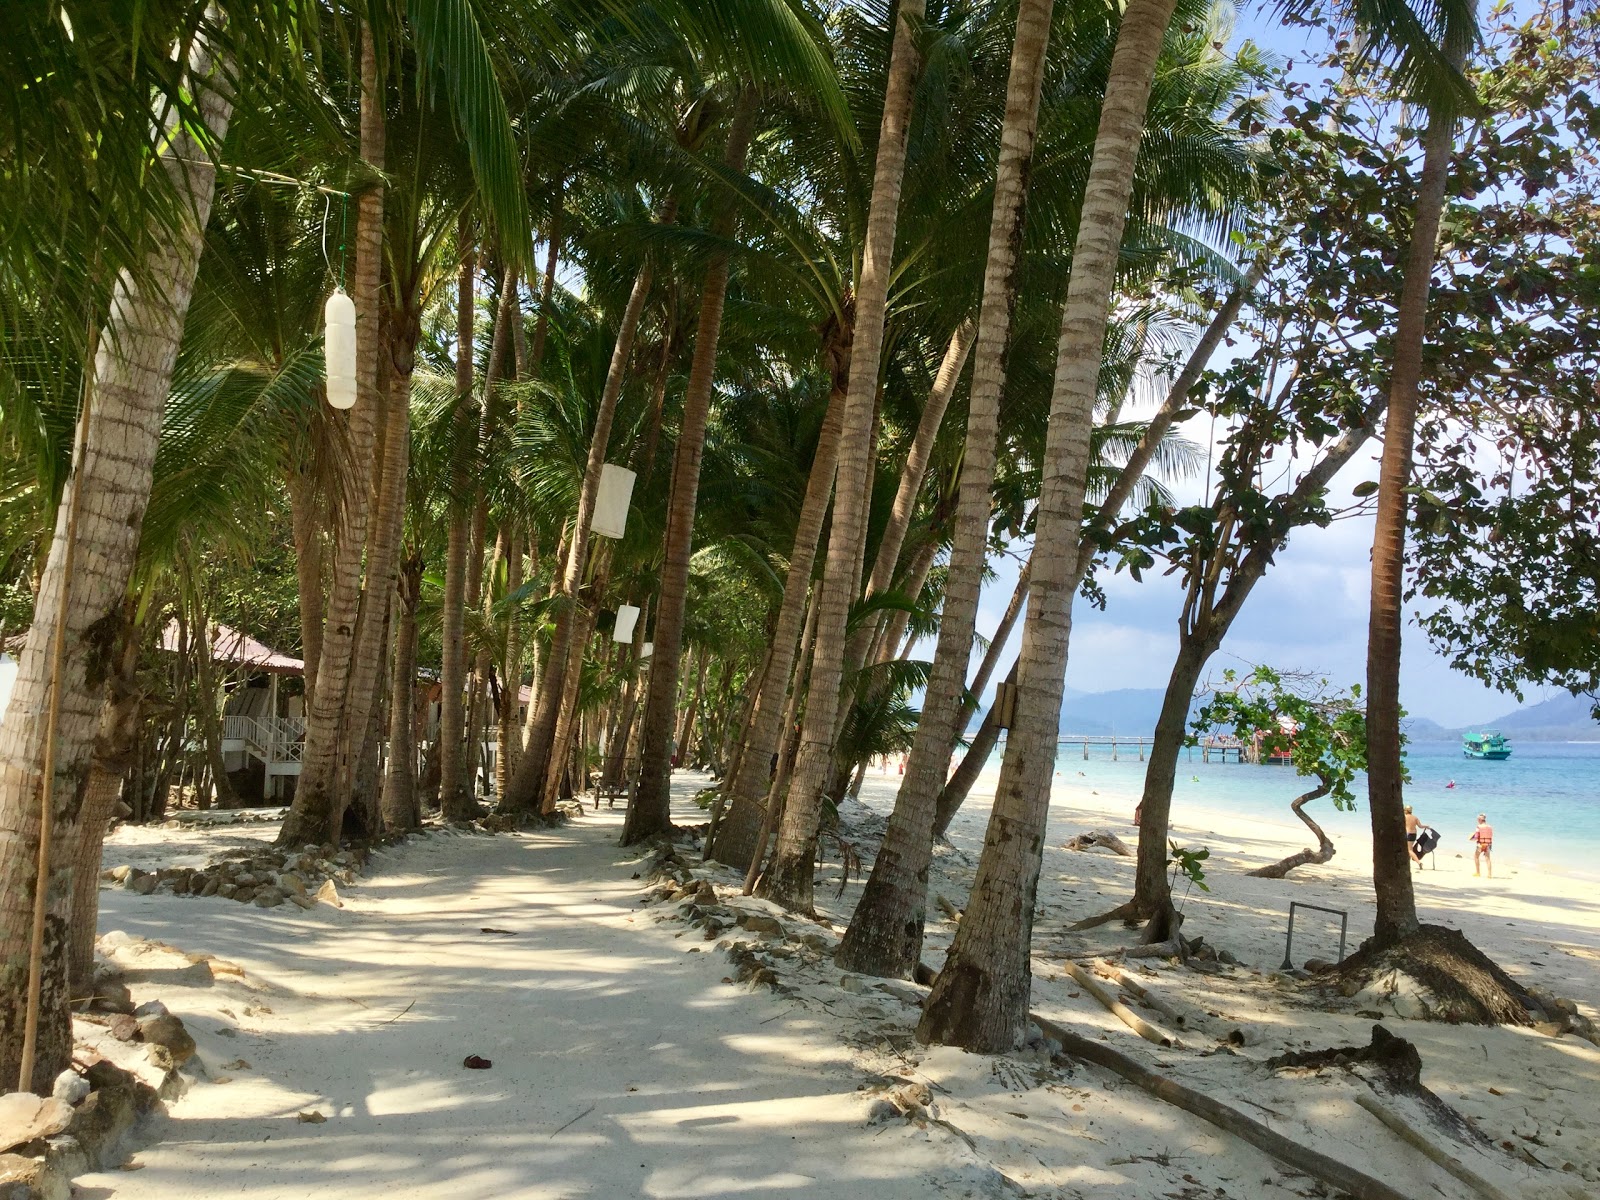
1466	986
1131	911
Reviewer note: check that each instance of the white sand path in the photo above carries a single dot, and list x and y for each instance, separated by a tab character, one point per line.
623	1065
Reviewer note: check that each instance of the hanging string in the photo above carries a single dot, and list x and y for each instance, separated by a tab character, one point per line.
344	220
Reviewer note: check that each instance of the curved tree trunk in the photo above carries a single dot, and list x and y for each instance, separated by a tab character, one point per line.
885	935
125	389
1391	868
1321	854
789	881
959	786
738	832
314	815
526	790
980	999
649	808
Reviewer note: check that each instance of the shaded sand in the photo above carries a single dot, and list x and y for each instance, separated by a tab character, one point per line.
625	1065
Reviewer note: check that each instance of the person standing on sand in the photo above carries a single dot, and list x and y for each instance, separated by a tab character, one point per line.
1483	837
1413	823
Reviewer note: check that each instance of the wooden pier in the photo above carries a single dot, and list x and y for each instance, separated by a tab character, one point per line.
1213	747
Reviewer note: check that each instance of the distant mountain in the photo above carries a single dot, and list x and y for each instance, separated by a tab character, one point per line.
1132	711
1560	718
1420	729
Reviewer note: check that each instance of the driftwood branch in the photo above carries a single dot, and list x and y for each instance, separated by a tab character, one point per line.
1149	1032
1419	1140
1301	1158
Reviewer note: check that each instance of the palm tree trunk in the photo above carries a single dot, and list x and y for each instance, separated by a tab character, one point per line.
399	804
921	451
783	765
306	515
456	801
508	740
649	807
386	529
125	393
737	832
955	792
686	726
885	935
314	816
617	752
568	717
789	880
1391	868
526	790
980	999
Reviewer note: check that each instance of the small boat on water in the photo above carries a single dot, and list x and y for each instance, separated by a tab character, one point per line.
1487	744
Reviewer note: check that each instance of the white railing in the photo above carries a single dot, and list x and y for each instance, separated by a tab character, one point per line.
271	739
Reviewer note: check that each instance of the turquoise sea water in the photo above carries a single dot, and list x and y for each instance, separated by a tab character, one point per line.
1544	801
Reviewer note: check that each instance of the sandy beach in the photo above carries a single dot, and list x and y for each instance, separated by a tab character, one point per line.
628	1061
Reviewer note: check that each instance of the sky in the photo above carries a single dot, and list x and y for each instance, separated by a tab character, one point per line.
1308	613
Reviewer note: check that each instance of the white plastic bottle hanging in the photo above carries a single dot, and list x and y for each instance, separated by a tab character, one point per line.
611	505
339	348
627	618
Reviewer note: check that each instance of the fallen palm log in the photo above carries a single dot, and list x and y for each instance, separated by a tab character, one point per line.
1438	1154
1145	1029
1301	1158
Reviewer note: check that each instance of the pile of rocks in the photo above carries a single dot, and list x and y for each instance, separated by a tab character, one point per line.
267	878
83	1124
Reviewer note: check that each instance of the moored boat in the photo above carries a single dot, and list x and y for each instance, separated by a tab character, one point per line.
1488	744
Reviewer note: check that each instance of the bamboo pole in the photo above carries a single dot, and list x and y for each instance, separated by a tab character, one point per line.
1437	1154
1145	1029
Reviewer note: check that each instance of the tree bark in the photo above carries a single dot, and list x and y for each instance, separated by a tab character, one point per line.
113	460
649	808
1396	904
386	528
306	514
615	773
314	816
980	999
399	805
508	734
789	881
885	935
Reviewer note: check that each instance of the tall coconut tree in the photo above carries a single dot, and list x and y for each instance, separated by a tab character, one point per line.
789	881
980	998
885	936
50	722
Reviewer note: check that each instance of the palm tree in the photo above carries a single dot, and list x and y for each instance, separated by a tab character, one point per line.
789	880
649	808
885	936
50	723
1396	905
980	998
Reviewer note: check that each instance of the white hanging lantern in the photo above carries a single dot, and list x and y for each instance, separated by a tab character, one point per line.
611	505
627	618
339	348
647	650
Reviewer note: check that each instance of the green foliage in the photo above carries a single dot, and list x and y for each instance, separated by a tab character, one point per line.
1322	730
1188	863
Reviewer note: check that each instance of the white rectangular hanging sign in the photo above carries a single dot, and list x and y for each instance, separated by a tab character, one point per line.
611	505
